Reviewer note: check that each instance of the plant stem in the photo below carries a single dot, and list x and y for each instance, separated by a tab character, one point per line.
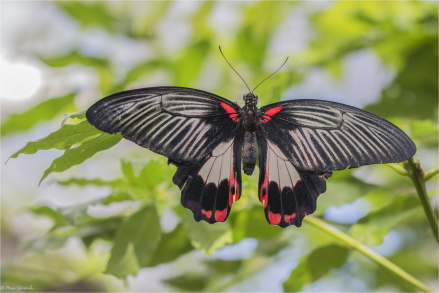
417	176
360	247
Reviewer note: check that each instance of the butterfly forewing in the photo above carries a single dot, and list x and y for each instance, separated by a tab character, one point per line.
183	124
321	136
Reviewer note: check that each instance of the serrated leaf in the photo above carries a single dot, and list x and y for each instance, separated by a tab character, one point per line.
62	139
207	237
74	116
135	243
44	111
78	155
315	265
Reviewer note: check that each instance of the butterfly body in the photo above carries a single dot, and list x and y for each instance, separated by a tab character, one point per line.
298	144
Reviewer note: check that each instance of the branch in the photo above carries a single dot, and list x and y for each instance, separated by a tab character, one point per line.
360	247
416	174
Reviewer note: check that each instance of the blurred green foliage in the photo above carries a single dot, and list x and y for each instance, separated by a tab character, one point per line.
44	111
403	34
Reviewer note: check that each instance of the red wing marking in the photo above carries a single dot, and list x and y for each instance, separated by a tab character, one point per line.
220	216
274	218
208	214
231	111
269	114
289	217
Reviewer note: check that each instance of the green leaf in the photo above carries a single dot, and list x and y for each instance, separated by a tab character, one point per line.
76	57
86	150
101	65
374	227
152	174
117	196
172	245
260	20
251	223
135	243
430	174
128	171
425	131
315	265
42	112
74	118
187	67
89	13
188	282
58	219
207	237
414	91
62	139
95	181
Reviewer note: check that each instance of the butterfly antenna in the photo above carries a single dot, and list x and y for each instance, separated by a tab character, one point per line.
271	74
233	68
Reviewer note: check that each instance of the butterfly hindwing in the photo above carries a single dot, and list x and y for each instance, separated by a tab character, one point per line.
209	188
182	124
321	136
288	195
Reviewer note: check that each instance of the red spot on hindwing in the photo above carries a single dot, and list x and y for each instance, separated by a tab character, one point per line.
269	113
220	216
274	218
208	214
231	111
289	218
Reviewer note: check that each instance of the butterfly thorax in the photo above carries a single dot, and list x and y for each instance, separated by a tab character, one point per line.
250	114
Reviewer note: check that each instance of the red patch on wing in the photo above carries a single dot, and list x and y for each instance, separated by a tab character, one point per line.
274	218
231	111
220	216
291	217
208	214
263	196
269	114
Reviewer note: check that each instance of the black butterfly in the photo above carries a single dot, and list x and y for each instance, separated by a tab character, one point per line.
300	143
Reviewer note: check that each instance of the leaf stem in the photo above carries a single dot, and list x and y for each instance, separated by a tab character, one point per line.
360	247
416	174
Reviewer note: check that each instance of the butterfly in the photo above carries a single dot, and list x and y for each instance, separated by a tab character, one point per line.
298	144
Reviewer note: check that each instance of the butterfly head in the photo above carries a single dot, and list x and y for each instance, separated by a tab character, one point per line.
250	99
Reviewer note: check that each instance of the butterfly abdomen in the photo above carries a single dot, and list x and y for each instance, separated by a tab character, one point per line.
249	156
